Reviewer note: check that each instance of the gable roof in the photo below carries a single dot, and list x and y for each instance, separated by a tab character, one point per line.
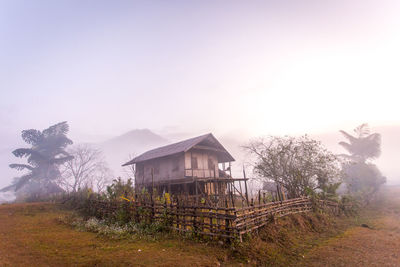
182	146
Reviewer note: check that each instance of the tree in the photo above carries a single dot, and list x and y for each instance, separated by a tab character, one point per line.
119	188
46	154
86	169
298	164
129	170
362	176
364	146
102	178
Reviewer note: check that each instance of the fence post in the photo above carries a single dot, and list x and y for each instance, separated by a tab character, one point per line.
245	186
151	195
177	214
194	221
228	227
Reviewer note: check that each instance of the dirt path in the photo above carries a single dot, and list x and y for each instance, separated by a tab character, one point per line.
361	246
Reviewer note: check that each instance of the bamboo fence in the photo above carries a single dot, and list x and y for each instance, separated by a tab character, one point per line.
203	220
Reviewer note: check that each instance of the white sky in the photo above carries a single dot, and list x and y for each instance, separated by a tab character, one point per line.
262	67
227	67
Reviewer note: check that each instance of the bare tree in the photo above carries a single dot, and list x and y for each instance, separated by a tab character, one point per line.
297	164
129	171
102	178
87	169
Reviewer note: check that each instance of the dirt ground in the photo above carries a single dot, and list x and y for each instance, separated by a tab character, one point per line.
32	235
360	246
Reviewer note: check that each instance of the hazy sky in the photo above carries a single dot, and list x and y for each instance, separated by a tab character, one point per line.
213	66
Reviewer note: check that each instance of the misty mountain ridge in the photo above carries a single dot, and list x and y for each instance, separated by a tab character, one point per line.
121	149
138	137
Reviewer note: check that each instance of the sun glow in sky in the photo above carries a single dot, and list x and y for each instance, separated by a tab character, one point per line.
331	89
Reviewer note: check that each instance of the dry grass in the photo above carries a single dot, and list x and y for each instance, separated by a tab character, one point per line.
285	242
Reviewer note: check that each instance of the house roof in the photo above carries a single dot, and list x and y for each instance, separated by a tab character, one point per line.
184	146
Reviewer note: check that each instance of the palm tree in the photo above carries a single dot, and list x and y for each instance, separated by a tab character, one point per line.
360	175
46	153
363	146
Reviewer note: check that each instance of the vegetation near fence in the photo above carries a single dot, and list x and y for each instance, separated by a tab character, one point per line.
196	218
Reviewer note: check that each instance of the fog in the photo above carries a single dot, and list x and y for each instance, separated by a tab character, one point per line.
181	69
6	197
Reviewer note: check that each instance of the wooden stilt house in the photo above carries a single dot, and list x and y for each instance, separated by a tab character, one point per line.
188	167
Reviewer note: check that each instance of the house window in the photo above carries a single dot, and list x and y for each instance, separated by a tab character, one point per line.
194	163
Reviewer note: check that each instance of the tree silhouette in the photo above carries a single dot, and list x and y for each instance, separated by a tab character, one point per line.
46	153
364	145
361	176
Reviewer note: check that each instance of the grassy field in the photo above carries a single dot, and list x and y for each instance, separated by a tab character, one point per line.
33	235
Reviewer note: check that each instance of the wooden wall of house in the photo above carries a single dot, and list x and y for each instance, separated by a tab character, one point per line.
164	169
178	166
207	164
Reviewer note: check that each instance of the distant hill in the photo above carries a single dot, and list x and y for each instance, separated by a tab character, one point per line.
120	149
138	137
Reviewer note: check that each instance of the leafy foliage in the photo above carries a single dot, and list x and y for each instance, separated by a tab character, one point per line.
119	188
117	210
46	153
298	164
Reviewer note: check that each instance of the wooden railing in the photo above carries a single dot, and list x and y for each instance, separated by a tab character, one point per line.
251	218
